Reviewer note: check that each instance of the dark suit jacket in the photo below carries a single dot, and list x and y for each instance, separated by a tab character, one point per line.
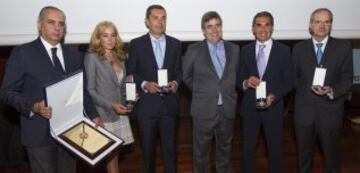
278	76
337	59
201	78
28	70
142	65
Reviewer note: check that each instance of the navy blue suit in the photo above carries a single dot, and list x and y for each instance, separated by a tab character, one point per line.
279	81
28	70
155	112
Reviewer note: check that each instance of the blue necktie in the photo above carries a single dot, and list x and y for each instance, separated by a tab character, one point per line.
56	61
261	61
319	52
220	65
158	54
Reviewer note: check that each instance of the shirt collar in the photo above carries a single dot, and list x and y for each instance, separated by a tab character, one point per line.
268	43
324	41
162	38
219	43
47	45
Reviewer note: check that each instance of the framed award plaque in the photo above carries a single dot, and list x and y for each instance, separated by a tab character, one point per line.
71	128
87	139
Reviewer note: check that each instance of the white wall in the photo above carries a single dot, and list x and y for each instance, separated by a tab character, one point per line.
18	17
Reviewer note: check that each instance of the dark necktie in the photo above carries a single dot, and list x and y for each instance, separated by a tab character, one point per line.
56	61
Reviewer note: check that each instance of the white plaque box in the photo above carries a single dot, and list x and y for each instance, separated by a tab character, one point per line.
68	124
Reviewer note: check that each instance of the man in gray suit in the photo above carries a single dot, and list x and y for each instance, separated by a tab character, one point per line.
209	70
319	110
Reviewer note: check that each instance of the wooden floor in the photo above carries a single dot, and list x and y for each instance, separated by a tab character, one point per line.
131	156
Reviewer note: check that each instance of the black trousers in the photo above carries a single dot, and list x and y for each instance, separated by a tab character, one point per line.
329	142
273	129
149	126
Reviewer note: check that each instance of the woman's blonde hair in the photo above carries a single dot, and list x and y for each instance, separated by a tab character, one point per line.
95	43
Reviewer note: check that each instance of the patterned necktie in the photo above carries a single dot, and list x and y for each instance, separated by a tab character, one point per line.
56	61
261	61
319	52
158	54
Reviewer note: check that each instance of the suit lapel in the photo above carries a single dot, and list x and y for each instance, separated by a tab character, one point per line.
67	61
207	59
328	52
167	53
111	74
272	61
272	57
45	59
252	60
150	51
311	60
228	58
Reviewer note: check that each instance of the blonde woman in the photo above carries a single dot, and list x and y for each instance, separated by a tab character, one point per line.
105	73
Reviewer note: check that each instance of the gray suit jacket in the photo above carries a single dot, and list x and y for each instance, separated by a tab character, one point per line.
104	86
337	59
200	76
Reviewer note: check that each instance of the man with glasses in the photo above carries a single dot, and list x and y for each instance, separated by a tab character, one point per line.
324	74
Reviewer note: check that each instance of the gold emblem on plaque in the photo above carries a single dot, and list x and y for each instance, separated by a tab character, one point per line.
87	139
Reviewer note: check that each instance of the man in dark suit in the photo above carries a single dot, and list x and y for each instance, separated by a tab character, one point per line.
319	110
209	71
156	110
264	60
29	68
